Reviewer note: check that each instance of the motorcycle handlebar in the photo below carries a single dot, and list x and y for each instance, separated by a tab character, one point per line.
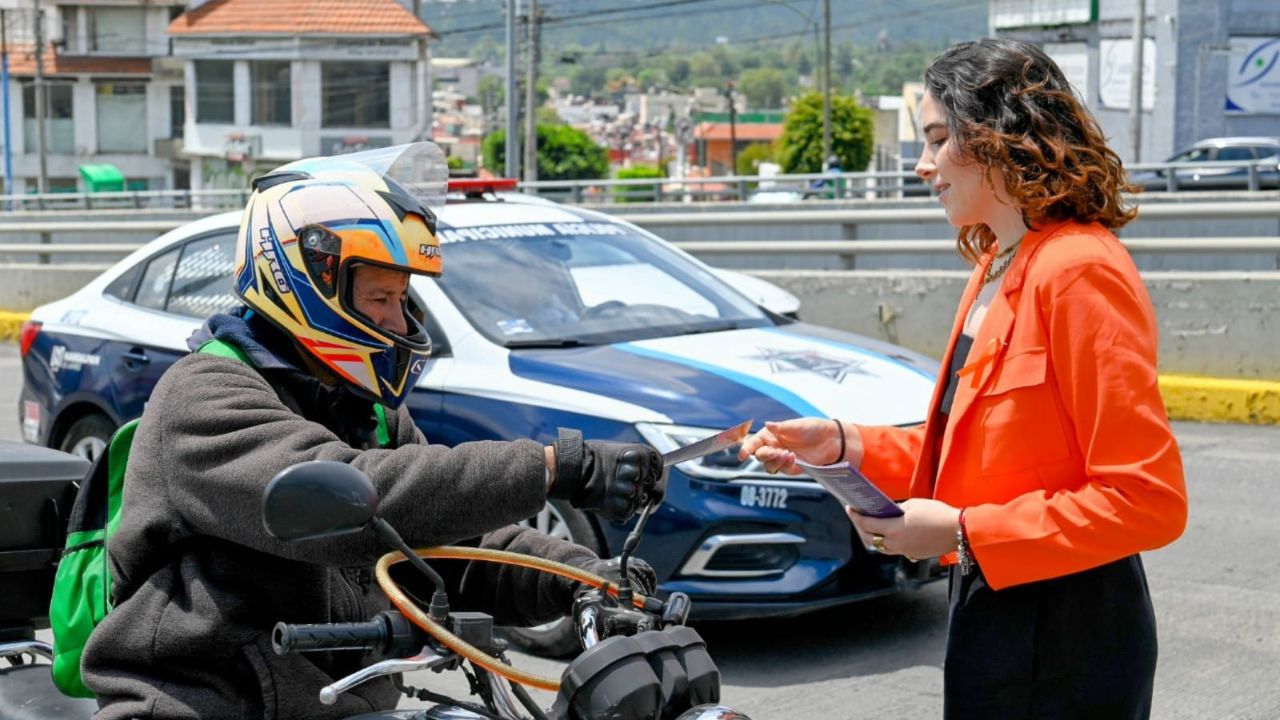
287	638
388	633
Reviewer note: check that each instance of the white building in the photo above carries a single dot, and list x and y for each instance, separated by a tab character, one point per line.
111	96
270	82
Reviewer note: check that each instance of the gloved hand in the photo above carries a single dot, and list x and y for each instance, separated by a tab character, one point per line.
643	579
613	479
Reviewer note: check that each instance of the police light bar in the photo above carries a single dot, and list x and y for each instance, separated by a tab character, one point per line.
480	186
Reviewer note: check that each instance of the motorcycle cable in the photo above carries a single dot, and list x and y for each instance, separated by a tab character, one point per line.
405	605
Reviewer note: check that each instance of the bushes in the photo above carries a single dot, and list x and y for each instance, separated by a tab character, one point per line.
636	193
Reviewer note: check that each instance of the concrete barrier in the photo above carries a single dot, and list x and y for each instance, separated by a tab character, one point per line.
1219	331
27	286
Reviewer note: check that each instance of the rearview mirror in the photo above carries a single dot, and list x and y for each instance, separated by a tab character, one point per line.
318	499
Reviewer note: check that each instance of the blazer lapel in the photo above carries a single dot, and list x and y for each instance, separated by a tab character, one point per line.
922	479
992	340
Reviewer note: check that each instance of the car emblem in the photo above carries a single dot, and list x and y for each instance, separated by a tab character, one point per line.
828	366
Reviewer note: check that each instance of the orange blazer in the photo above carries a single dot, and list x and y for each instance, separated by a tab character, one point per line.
1058	441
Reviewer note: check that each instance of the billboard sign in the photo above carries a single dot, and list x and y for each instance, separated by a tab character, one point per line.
1253	75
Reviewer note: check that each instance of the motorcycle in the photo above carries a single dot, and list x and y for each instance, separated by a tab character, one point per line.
639	661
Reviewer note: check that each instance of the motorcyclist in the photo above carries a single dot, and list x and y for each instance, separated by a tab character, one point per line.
323	259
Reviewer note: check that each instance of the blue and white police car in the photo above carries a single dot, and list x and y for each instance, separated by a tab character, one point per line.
551	316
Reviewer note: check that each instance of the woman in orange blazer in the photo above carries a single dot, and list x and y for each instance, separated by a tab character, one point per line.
1046	462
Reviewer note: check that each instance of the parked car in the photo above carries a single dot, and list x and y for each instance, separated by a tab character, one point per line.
550	316
1266	150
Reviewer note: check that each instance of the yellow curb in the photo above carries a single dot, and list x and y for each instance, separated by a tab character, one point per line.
10	322
1187	397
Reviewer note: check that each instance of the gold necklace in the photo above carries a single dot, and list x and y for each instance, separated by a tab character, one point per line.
998	266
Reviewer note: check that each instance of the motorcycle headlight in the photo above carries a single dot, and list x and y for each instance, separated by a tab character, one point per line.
722	465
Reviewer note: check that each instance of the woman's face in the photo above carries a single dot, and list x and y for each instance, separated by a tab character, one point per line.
960	184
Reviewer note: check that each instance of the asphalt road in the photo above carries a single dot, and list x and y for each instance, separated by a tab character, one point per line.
1216	594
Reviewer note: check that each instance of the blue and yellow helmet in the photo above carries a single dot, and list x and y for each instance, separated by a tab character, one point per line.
305	228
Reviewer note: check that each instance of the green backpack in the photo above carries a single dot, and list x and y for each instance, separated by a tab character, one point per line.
82	584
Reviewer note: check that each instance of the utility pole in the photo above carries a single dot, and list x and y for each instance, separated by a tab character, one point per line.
1135	81
733	130
826	85
42	182
4	87
531	95
512	153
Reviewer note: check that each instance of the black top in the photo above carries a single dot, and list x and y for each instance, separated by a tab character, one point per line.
958	360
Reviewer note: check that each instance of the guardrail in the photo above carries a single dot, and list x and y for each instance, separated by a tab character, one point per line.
780	247
1253	175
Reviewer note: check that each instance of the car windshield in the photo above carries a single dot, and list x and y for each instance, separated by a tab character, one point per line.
582	283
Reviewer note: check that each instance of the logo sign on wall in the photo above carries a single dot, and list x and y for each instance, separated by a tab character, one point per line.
1253	75
1115	72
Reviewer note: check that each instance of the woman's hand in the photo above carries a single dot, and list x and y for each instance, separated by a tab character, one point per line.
813	440
927	528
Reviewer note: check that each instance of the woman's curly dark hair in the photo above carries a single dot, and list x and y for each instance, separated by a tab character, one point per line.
1010	108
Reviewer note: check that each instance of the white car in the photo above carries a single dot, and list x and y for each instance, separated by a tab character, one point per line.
551	316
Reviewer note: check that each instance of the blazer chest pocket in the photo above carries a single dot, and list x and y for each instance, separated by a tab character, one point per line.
1020	426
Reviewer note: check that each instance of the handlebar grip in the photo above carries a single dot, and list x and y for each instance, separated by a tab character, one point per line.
371	635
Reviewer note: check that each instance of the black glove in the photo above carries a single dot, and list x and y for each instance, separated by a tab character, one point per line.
613	479
643	579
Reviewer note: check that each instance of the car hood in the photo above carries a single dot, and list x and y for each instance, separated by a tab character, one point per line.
716	379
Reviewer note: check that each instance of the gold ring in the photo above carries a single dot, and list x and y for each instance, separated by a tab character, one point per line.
877	542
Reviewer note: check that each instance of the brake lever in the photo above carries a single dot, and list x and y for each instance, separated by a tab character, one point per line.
428	659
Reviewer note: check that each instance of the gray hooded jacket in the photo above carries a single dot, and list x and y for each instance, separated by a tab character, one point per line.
199	583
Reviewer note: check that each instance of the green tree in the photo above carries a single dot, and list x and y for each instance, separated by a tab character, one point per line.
587	80
750	157
764	87
548	115
852	132
564	153
679	72
636	193
655	78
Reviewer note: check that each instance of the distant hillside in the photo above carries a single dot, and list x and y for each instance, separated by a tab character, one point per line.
476	27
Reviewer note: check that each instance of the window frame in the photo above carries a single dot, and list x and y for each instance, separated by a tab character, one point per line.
229	234
382	122
201	83
256	87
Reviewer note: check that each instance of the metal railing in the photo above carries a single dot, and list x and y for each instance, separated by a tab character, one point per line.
1243	175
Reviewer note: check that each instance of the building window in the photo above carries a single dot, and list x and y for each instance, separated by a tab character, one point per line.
117	30
356	94
272	98
122	117
59	128
215	91
177	110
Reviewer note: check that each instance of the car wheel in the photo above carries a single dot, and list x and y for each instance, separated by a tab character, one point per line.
557	639
88	436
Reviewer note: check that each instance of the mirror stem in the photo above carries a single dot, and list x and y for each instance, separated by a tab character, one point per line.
628	547
439	600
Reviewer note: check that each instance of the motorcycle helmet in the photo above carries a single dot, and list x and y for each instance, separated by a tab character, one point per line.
308	225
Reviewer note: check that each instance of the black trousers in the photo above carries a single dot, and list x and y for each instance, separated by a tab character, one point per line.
1080	646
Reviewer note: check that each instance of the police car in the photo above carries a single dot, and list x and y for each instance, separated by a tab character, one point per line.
551	316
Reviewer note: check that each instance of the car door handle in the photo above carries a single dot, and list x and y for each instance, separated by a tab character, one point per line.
136	357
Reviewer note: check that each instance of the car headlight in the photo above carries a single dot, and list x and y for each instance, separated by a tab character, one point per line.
722	465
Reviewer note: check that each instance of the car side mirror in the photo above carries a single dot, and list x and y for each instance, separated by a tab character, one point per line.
318	499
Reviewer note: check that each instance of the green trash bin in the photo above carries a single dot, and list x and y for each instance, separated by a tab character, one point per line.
102	178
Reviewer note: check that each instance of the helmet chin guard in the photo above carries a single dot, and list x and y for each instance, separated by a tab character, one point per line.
306	228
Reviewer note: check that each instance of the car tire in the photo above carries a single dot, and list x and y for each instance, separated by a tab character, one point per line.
88	436
557	639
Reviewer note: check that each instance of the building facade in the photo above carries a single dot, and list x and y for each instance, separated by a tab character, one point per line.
1211	68
267	83
111	94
